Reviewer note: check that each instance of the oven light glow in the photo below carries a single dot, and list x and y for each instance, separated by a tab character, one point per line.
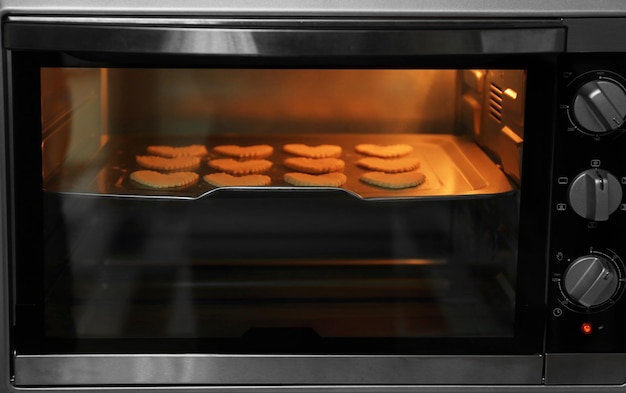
478	74
586	328
511	93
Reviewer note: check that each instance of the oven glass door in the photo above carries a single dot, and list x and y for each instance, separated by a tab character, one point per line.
297	209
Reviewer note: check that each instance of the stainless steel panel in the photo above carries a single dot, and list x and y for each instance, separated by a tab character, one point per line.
360	40
490	8
64	370
586	369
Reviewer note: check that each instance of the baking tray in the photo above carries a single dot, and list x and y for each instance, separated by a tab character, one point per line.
454	167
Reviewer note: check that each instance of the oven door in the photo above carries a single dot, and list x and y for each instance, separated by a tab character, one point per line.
119	281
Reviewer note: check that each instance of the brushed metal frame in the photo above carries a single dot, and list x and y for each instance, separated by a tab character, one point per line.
393	8
227	37
187	369
428	8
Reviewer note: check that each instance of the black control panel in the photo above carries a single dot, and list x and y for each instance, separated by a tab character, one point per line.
587	271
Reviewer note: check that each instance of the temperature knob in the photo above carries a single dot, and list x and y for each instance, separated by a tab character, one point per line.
600	106
591	280
594	194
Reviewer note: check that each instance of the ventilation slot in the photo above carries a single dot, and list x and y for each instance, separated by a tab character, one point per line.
495	102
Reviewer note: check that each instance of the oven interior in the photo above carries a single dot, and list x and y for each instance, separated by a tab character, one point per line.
278	267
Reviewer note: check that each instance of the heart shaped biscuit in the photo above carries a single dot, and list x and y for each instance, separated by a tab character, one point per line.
334	179
255	151
159	180
389	165
225	180
169	163
388	151
319	151
178	151
394	180
315	165
235	167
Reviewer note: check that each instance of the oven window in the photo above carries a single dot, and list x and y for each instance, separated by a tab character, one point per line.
241	208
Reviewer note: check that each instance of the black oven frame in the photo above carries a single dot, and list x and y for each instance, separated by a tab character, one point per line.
24	34
282	47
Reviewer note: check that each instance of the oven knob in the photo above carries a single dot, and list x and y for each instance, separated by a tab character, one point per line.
600	106
594	194
591	280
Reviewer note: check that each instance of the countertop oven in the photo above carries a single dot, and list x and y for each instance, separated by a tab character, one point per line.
303	196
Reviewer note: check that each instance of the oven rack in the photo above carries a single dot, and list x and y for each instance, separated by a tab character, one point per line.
454	167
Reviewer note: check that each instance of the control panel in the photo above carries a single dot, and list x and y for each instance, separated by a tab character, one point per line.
587	273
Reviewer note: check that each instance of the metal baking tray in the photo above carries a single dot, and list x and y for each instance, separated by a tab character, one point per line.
454	167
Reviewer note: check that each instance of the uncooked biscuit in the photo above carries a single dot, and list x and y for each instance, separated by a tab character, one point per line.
394	180
224	180
159	180
169	163
179	151
333	179
389	165
389	151
315	165
319	151
254	151
235	167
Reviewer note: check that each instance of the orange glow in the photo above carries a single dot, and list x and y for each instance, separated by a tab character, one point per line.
586	328
511	93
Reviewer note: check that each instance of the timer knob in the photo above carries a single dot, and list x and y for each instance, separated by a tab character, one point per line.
591	280
594	194
600	106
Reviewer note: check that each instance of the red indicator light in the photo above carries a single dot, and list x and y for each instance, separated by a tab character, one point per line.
586	328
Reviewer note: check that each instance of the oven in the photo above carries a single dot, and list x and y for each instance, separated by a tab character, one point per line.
313	196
